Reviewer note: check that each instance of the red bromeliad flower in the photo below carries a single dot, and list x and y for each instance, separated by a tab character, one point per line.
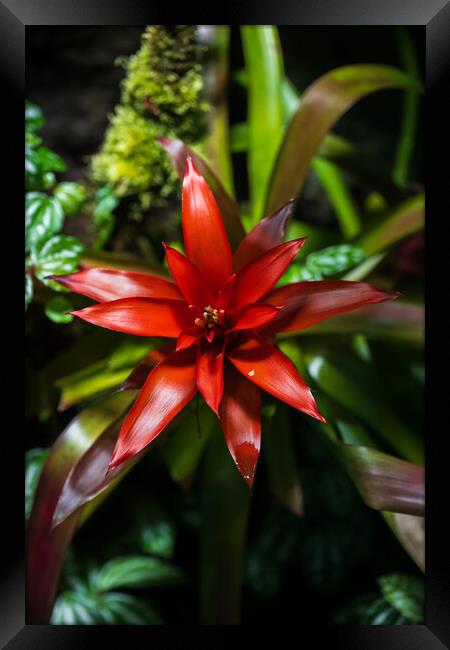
222	310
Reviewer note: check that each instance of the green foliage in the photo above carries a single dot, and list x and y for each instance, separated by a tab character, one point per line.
161	96
402	601
406	594
324	263
137	571
71	196
56	310
34	460
49	251
84	605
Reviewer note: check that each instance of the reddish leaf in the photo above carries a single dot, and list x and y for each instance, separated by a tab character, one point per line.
188	278
210	374
229	209
205	239
305	303
258	276
252	316
267	234
109	284
385	482
240	418
168	388
267	367
46	547
140	316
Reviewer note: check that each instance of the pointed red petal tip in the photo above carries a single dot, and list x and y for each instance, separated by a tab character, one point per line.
246	458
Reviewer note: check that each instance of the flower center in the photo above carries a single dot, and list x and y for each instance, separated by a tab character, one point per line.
210	318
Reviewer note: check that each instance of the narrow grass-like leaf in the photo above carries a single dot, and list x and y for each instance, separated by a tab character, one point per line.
264	66
406	219
322	104
225	508
407	136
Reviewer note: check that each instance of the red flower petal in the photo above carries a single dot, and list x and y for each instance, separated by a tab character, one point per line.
210	374
240	418
305	303
205	239
168	388
140	316
188	278
259	275
188	337
224	296
107	284
252	316
136	378
267	234
267	367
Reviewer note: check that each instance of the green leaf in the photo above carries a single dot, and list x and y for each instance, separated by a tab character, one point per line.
104	220
158	538
71	196
357	389
33	116
137	571
406	594
44	217
83	607
264	66
225	509
334	259
368	609
56	310
280	460
28	289
183	450
34	461
405	219
322	104
57	256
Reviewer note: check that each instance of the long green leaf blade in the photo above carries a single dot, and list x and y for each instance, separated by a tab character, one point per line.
322	104
264	64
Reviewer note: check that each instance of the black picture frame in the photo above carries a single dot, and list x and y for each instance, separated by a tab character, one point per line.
434	16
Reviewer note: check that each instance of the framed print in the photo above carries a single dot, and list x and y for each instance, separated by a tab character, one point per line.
225	369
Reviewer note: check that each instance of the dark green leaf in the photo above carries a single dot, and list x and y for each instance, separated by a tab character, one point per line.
44	217
57	256
28	289
280	460
137	571
33	116
158	538
71	196
406	593
56	310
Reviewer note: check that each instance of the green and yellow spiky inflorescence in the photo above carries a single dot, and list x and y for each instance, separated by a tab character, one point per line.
161	96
